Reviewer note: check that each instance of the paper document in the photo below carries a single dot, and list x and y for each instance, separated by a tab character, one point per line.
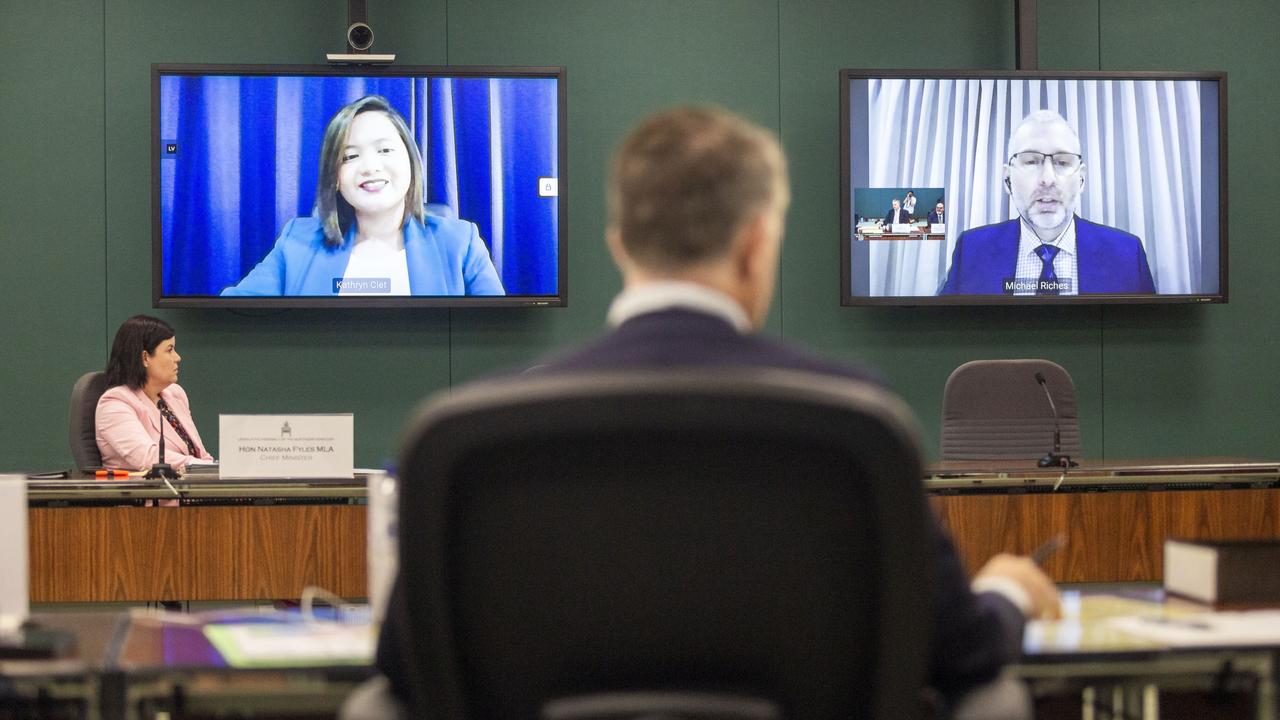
300	644
1210	629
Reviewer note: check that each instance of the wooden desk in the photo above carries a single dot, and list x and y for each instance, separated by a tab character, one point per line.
87	547
241	541
1115	515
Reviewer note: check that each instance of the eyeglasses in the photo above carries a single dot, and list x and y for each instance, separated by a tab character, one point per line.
1063	163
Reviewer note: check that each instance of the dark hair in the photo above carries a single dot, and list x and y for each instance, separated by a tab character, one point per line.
137	334
684	181
334	212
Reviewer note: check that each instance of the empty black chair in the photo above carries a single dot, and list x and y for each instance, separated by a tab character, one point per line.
996	409
689	544
80	420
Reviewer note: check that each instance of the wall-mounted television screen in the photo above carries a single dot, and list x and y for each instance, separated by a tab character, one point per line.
999	187
322	186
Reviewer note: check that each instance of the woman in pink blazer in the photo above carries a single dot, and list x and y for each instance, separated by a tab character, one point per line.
142	385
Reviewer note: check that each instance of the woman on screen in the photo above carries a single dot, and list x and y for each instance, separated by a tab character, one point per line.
369	234
143	399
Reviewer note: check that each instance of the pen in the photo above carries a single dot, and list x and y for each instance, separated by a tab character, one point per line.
1048	547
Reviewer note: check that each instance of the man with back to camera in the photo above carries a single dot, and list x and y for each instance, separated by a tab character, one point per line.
697	200
1047	249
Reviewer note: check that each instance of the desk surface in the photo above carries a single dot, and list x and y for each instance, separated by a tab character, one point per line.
157	663
950	477
1086	630
161	658
1124	674
957	476
195	489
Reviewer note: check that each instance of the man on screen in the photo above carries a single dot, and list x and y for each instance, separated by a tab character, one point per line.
937	216
897	215
1047	249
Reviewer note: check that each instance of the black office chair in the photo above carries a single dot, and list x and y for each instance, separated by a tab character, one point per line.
680	544
996	409
80	420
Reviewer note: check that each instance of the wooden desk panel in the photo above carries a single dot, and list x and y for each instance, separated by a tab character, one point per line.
239	552
141	554
1113	536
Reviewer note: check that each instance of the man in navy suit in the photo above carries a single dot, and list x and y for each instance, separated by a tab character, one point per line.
699	251
1047	249
938	216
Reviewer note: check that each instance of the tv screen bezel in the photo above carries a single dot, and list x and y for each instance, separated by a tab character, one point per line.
848	299
561	297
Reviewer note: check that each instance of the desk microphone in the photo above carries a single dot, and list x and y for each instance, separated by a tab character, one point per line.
1054	458
162	470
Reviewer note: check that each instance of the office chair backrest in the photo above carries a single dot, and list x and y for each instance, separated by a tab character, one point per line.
80	419
995	409
755	532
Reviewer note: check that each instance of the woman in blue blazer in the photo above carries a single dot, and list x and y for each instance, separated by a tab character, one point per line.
369	233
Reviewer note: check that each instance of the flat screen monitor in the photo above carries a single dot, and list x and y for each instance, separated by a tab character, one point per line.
351	186
1009	187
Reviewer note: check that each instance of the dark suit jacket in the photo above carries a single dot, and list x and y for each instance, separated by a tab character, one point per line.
933	217
1108	260
903	216
973	635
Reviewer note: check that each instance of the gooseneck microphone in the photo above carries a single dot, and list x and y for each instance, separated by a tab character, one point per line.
1054	458
162	470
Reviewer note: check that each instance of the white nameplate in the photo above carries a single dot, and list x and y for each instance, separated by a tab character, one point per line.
902	228
14	604
286	446
938	229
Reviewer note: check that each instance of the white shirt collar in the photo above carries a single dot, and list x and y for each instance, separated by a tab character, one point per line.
671	294
1028	241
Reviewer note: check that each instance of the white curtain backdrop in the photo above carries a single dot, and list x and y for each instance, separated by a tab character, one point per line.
1141	145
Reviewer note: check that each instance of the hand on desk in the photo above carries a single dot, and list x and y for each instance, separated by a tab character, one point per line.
1042	594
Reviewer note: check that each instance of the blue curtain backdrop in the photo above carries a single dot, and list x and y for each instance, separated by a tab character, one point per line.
240	158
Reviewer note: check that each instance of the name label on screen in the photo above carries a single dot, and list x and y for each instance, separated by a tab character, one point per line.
286	446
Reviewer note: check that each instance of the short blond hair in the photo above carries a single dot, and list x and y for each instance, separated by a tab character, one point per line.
685	180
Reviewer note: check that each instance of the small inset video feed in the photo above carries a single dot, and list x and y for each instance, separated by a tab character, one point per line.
899	213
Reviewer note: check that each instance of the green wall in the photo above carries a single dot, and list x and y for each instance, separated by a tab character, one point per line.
75	205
